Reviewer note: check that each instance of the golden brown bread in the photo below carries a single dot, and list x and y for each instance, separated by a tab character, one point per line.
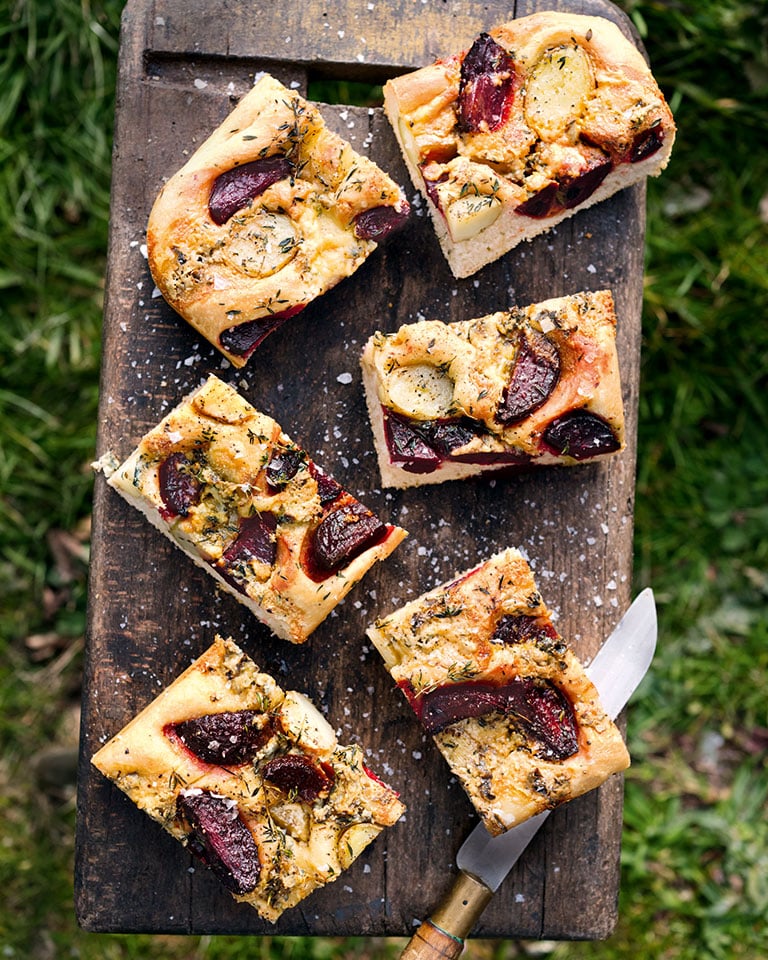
531	386
508	703
236	259
244	502
541	117
290	841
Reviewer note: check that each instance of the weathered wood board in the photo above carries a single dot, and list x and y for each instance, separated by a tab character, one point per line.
182	66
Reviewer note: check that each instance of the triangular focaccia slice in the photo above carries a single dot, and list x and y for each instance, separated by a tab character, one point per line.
530	386
238	496
507	702
269	213
251	779
538	119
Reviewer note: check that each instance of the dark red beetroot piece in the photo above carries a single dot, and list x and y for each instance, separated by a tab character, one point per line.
541	203
236	188
255	541
283	466
647	143
421	446
581	435
541	711
407	447
378	222
221	840
227	739
569	192
297	775
179	490
328	489
486	87
243	338
534	377
341	535
520	628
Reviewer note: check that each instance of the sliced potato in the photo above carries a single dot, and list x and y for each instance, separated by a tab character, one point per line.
299	717
354	840
421	390
293	818
467	216
263	243
557	90
408	142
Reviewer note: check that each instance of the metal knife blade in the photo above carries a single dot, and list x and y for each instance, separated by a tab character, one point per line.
616	671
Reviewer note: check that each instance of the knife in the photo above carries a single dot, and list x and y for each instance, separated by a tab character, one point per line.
483	860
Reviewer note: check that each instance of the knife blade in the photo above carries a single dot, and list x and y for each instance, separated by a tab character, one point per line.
483	860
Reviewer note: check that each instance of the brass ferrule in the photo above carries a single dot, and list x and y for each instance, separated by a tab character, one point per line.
462	906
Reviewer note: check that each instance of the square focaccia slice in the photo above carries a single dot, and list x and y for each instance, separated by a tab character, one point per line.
538	119
238	496
251	779
508	703
530	386
269	213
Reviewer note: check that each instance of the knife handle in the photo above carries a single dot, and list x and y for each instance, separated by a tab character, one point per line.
442	935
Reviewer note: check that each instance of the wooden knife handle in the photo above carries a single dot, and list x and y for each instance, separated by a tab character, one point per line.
443	934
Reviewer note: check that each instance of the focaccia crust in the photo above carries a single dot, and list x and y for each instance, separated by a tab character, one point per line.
582	118
442	397
243	501
237	280
489	630
299	841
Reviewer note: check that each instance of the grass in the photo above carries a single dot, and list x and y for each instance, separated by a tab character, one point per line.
695	853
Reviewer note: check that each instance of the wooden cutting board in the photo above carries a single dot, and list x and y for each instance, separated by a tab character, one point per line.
182	67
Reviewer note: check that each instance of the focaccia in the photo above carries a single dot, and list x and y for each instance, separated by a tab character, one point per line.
508	704
269	213
530	386
238	496
251	779
538	119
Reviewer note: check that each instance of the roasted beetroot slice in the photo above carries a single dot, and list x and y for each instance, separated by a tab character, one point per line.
486	87
581	435
569	192
255	541
342	535
420	446
297	775
449	435
646	143
534	377
221	840
546	715
573	191
226	739
236	188
407	447
283	466
243	338
541	204
379	222
179	490
520	628
541	711
328	489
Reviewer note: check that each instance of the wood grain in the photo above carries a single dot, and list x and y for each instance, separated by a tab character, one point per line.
182	66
